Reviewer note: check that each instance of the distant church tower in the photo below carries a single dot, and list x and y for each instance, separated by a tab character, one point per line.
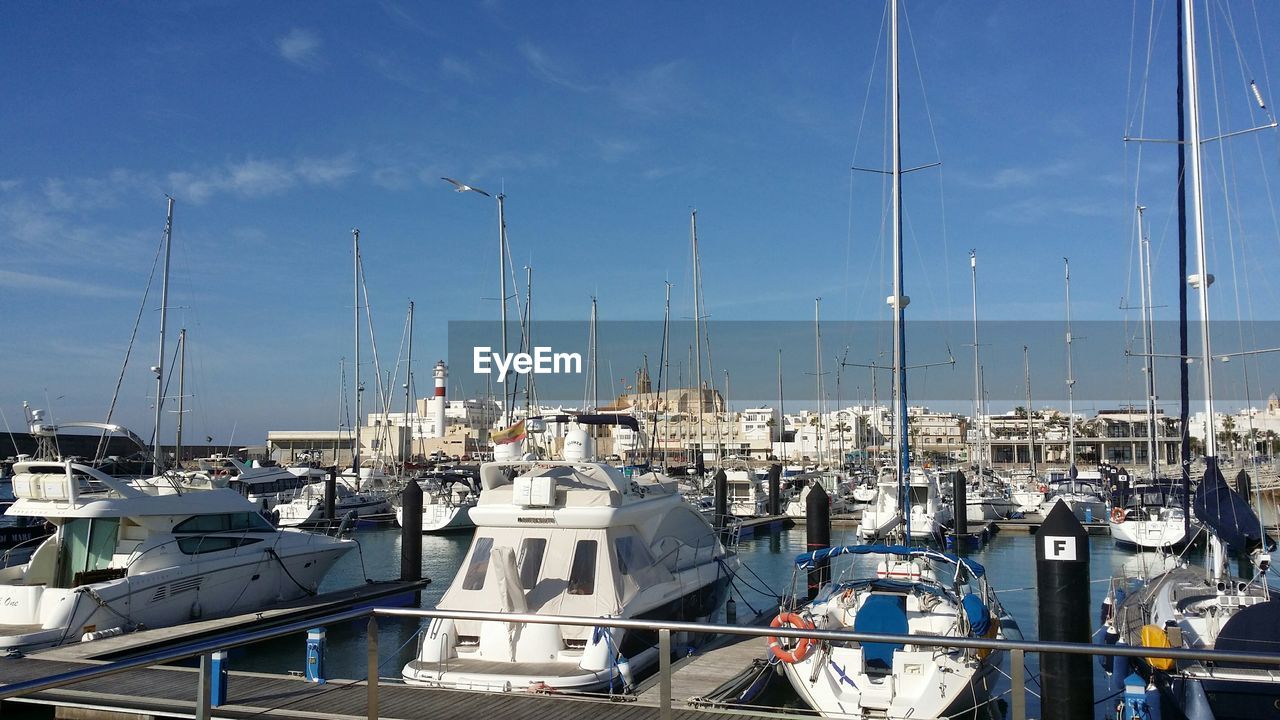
645	386
1273	403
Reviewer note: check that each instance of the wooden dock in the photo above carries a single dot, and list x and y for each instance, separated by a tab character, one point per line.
170	692
696	676
1032	525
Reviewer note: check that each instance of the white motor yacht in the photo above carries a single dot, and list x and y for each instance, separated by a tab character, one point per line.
307	507
571	537
128	555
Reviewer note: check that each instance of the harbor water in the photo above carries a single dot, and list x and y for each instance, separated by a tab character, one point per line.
768	556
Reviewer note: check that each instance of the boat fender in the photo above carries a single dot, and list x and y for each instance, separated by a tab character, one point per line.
99	634
1119	671
1155	637
624	670
196	610
801	650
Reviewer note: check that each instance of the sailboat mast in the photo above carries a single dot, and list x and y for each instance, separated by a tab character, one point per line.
977	365
355	450
164	321
502	293
1201	280
782	411
1031	427
1148	342
898	301
697	327
817	340
1071	380
182	391
408	390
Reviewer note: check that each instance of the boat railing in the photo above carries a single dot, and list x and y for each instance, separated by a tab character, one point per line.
204	648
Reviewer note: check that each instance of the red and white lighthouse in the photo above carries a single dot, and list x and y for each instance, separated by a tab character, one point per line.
441	373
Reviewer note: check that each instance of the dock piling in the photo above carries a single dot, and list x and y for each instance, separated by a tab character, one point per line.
1244	486
959	510
330	494
775	482
721	485
817	521
1062	582
411	532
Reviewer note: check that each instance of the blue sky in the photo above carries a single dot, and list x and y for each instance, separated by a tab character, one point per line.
279	127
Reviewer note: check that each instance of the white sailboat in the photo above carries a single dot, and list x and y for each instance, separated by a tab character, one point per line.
1208	608
909	591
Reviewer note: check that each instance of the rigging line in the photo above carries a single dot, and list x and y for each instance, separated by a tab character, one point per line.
862	119
115	396
937	149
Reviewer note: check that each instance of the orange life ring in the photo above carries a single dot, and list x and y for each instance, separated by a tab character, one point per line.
801	650
1117	515
1044	488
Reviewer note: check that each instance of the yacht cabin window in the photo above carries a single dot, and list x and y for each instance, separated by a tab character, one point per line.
531	552
582	574
479	565
225	522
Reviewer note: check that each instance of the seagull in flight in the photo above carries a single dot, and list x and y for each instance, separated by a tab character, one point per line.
464	188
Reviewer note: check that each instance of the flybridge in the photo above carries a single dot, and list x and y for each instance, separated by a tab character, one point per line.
541	361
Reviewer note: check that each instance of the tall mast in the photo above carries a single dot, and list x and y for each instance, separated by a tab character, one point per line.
529	396
1071	380
817	340
502	293
164	320
697	326
1184	372
782	411
1031	427
977	365
1202	279
898	301
182	391
358	421
595	359
408	390
1148	342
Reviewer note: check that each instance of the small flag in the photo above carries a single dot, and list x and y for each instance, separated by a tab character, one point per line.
515	433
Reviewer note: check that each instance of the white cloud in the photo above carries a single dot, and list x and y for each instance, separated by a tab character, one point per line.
300	47
326	171
29	281
457	68
547	69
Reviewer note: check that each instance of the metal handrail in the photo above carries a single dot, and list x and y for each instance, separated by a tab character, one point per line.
1037	646
1017	648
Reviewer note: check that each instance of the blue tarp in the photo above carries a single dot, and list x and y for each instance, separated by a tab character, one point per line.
807	559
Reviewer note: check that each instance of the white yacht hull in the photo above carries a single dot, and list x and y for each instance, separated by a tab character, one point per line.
440	518
1150	534
32	617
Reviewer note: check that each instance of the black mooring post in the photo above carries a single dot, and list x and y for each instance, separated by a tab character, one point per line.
411	531
817	519
330	494
959	509
1244	486
721	485
775	482
1062	581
